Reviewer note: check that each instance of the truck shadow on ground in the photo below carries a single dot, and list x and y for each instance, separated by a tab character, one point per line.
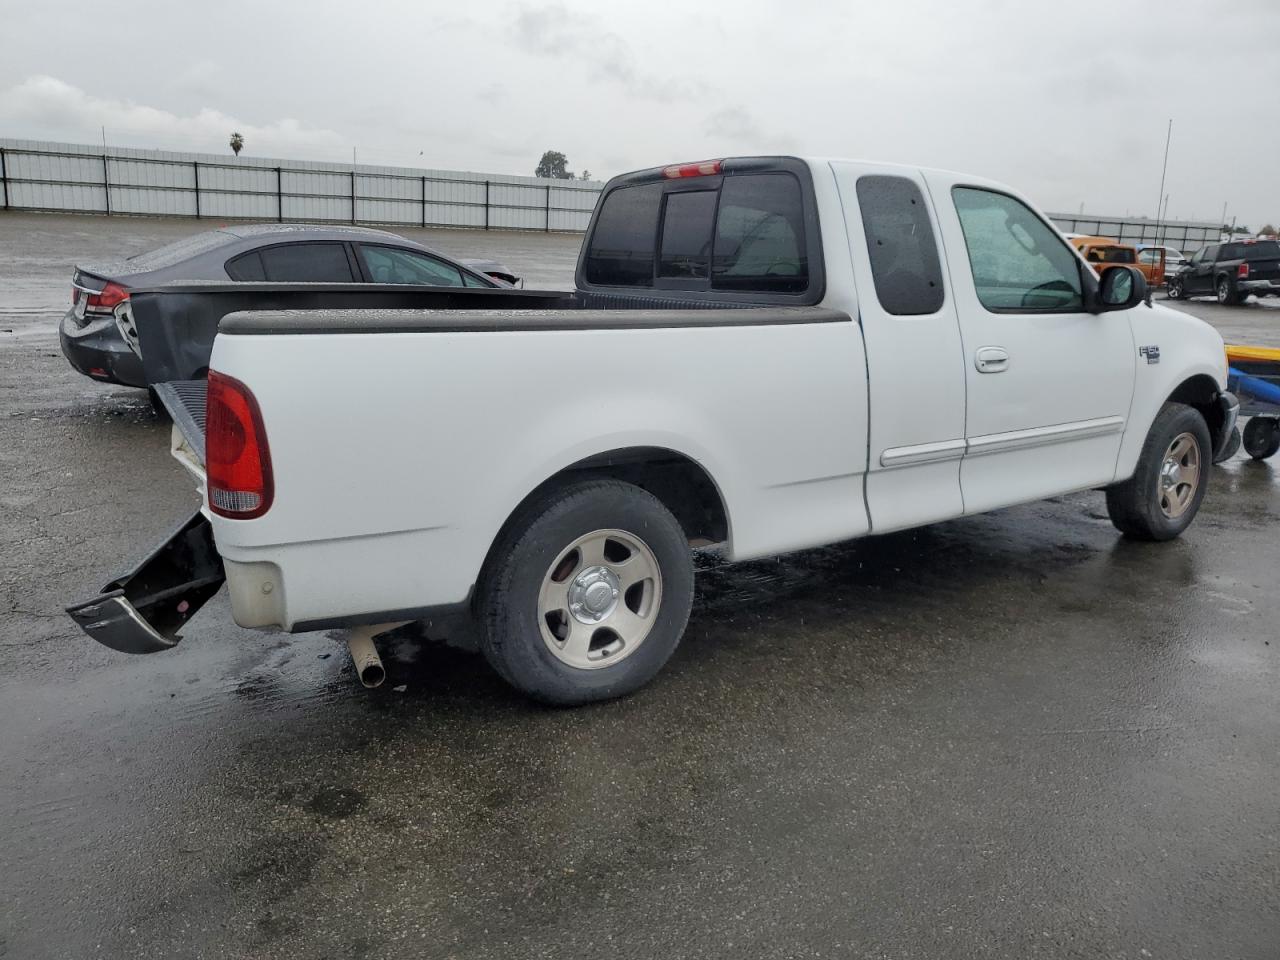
856	603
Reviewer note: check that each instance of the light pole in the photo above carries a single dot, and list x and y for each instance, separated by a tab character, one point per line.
1163	170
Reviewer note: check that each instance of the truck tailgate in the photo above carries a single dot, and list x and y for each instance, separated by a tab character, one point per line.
185	401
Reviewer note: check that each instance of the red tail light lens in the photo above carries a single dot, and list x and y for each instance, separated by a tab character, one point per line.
706	168
105	300
237	459
1242	271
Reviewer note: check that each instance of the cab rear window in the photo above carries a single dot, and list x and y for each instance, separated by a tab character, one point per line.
740	233
1260	250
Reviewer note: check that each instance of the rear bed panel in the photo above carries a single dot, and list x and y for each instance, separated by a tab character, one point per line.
384	490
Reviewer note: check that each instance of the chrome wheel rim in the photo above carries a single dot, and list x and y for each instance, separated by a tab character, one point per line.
599	599
1223	290
1179	476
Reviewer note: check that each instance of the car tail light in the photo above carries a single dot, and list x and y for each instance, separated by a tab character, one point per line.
706	168
105	300
1242	271
236	455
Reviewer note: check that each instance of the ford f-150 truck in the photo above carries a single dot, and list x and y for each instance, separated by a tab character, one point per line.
763	353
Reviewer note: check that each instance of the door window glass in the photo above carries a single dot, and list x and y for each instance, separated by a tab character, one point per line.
393	265
1019	263
307	262
901	244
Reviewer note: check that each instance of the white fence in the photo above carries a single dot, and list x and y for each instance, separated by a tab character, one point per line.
1187	236
84	179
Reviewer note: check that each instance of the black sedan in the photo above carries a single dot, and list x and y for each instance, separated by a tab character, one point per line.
97	334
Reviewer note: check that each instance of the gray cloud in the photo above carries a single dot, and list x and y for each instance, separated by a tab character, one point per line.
1067	107
579	39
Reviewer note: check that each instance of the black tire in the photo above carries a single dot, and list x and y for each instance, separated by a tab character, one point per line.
1261	437
1135	505
1227	293
511	637
1175	290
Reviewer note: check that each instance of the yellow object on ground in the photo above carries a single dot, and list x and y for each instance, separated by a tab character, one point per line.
1235	352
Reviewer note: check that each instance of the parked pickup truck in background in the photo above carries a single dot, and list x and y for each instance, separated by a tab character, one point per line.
763	353
1230	272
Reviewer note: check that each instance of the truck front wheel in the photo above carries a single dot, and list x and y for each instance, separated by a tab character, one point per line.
587	593
1164	494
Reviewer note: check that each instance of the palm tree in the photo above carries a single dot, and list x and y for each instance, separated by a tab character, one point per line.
237	143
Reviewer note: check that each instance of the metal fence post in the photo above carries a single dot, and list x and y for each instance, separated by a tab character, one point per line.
353	195
486	204
279	197
424	201
4	177
106	184
547	228
195	173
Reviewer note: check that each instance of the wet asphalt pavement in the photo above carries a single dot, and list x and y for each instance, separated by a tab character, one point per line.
1013	735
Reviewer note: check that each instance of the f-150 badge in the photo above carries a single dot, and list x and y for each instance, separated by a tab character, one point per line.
1152	353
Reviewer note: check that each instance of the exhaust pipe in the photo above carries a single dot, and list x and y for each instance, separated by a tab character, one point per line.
364	654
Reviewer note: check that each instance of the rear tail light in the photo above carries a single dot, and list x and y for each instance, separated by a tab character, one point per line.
104	301
236	455
1242	272
706	168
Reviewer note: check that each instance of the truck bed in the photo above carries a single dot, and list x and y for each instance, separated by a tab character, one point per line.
176	323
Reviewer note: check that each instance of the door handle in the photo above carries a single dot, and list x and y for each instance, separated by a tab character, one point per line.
991	359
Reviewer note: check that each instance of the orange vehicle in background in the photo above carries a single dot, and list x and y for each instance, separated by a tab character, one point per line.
1104	254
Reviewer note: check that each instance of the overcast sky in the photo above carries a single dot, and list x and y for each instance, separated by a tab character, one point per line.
1066	101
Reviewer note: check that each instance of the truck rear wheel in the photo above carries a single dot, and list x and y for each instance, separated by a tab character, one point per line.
1227	293
1164	494
587	594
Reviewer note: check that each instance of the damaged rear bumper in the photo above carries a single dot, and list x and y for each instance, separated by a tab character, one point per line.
142	611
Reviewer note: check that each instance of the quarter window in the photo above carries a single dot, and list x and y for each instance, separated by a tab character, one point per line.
902	246
246	267
307	262
1019	263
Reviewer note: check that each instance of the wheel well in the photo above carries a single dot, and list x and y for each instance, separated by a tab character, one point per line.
1202	392
682	484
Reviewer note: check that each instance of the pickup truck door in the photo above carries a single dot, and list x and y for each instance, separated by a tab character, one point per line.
915	366
1199	278
1048	384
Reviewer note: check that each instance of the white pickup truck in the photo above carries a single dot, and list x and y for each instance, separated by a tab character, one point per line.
762	353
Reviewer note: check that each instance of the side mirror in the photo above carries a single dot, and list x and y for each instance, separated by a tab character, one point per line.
1122	288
